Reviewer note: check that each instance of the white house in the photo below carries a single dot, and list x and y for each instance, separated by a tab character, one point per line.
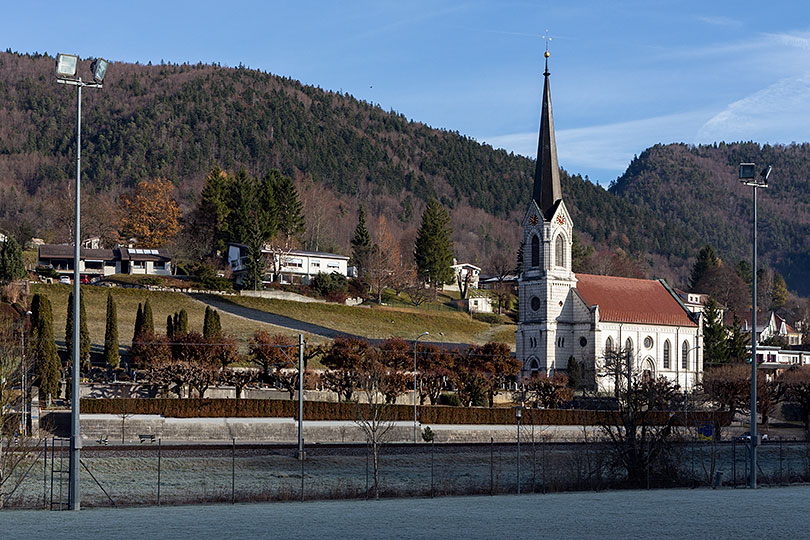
105	262
463	271
583	317
296	266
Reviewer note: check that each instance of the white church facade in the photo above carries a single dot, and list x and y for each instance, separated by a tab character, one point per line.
565	316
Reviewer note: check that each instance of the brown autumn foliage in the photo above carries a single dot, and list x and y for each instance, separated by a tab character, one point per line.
150	213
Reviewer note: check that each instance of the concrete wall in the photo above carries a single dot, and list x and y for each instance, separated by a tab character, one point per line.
281	295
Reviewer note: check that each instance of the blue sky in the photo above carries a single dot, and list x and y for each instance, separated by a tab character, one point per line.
625	75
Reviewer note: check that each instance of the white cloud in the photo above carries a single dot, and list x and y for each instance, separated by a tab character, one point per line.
775	114
720	21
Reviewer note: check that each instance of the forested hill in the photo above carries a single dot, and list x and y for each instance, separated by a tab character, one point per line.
177	121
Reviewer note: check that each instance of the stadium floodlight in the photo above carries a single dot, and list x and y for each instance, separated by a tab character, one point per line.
66	65
99	68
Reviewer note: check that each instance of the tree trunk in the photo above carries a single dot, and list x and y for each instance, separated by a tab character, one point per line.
376	460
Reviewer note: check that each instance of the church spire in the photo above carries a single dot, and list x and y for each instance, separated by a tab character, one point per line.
547	190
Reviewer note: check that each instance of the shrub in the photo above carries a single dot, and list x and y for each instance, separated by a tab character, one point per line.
489	318
330	284
450	399
149	280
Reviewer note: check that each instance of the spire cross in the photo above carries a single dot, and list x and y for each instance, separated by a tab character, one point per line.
546	38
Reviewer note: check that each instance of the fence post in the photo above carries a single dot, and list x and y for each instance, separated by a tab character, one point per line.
491	465
233	470
781	476
158	486
734	463
302	470
543	448
366	470
432	451
45	474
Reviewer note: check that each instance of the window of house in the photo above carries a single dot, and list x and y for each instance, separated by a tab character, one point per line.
559	251
160	265
316	264
535	250
666	354
648	342
332	265
609	344
137	264
685	355
294	263
628	345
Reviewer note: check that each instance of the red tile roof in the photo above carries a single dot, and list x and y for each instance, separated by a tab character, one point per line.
632	300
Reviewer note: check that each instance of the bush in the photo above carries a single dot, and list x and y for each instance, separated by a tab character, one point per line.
489	318
450	399
47	271
330	284
150	280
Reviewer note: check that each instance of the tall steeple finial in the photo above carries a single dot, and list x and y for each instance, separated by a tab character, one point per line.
547	190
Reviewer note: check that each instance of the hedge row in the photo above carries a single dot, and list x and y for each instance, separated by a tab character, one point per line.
322	410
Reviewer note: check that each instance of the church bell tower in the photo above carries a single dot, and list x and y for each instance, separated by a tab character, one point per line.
546	278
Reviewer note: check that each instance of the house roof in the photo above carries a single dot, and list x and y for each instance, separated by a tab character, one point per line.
66	251
144	254
632	300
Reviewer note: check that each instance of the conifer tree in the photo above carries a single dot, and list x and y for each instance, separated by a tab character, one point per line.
706	260
207	322
181	323
84	334
111	357
47	365
714	334
138	323
290	211
433	252
211	324
169	327
12	265
361	243
148	321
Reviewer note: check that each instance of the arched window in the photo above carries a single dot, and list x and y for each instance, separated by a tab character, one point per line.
535	251
666	354
559	251
685	355
628	345
609	344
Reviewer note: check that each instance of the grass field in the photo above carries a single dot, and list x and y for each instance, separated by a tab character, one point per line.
375	322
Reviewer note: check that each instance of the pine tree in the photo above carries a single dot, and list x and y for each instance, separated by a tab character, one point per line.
706	260
47	365
289	208
111	357
212	214
84	334
148	321
12	265
433	252
714	334
361	243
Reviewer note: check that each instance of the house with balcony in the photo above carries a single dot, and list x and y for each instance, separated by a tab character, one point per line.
295	266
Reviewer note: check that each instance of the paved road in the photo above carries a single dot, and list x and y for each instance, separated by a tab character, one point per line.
777	513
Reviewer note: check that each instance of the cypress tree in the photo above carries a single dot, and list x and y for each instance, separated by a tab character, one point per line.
169	327
181	323
84	334
111	357
361	243
207	322
211	325
12	265
433	251
47	366
148	322
138	323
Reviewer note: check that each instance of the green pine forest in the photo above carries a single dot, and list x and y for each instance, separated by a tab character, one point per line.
179	121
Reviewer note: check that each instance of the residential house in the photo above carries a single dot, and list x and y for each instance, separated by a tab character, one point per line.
106	262
296	266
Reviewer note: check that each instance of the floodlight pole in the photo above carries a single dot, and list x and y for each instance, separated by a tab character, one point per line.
747	176
74	496
423	334
300	396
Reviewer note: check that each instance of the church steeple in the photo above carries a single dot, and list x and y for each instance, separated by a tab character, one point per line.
547	190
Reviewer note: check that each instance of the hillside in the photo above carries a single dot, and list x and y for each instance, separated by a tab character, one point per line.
176	121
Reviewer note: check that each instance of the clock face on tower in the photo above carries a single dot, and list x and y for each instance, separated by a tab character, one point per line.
561	219
533	219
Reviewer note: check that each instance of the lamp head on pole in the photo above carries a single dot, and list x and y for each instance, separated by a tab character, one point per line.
99	69
748	175
66	65
518	412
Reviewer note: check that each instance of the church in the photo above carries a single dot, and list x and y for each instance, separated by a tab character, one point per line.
565	316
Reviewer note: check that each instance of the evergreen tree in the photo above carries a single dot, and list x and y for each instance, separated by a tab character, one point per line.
361	243
580	254
84	334
289	207
714	334
48	368
111	357
148	321
744	271
12	265
138	323
706	260
181	323
433	252
212	214
211	325
169	327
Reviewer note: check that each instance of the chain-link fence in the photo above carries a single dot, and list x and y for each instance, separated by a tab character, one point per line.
163	474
